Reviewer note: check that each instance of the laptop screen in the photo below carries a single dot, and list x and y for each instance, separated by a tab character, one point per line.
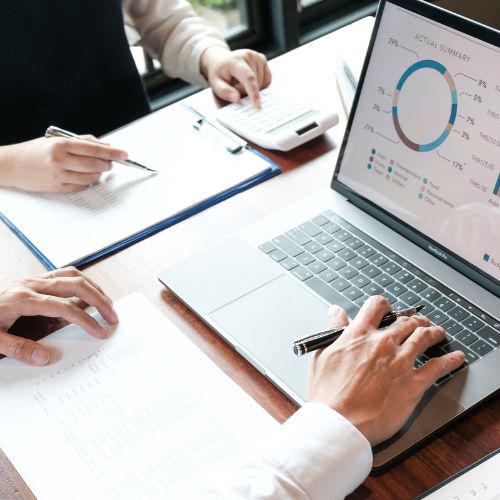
423	140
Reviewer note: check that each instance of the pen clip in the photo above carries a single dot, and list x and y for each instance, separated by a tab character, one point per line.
233	143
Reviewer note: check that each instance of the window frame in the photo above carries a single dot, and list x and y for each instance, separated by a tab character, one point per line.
272	27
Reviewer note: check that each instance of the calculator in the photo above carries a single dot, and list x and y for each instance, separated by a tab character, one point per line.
280	124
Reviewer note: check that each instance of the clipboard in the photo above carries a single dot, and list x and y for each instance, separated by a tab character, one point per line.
196	170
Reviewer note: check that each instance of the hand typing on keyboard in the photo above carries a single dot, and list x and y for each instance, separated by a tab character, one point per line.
368	375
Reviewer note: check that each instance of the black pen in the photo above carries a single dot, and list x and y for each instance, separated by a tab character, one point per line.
324	339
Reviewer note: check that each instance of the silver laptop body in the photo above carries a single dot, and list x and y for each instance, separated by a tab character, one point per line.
413	213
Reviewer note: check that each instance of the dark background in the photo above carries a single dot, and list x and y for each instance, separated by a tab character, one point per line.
484	11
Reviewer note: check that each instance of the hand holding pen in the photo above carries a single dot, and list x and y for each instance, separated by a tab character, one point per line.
57	164
53	131
369	377
328	337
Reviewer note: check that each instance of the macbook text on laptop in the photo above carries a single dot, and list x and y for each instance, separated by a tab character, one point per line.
413	214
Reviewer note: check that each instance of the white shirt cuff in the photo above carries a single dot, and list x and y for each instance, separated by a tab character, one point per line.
322	451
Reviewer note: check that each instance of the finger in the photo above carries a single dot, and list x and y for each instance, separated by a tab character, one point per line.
81	288
86	164
371	314
70	188
73	272
57	307
267	78
404	326
225	91
70	282
24	350
247	78
337	317
94	150
420	340
264	73
436	368
93	138
79	178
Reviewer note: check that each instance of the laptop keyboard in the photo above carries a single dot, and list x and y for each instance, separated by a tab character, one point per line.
346	266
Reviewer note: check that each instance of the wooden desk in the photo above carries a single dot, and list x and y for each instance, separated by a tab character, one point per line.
309	70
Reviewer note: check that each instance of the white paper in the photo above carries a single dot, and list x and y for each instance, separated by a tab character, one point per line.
193	166
479	483
139	415
357	38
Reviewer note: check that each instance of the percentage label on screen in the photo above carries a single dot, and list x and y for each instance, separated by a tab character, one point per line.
393	41
471	120
478	98
381	90
482	83
465	135
376	107
458	165
369	128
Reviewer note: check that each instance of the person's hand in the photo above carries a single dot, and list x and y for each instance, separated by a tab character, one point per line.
59	294
56	164
232	74
367	375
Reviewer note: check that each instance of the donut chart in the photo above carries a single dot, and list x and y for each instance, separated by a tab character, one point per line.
425	64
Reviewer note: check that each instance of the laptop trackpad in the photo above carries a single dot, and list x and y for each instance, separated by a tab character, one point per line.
265	322
220	274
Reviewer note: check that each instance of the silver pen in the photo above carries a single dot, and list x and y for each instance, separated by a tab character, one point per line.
53	131
349	74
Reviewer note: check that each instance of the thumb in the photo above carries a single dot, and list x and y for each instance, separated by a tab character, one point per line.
224	90
337	317
24	350
93	138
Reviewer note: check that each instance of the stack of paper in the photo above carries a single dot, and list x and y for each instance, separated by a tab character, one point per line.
139	415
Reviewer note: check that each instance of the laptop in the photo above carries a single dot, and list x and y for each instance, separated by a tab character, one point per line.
412	213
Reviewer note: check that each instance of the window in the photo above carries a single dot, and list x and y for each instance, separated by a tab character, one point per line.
269	26
319	17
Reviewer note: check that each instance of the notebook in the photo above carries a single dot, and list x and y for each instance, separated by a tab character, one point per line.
127	417
413	214
196	170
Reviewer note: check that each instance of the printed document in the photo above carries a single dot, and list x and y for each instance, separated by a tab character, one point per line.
141	415
193	165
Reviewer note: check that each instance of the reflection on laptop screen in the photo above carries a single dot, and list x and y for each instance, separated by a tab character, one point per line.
424	144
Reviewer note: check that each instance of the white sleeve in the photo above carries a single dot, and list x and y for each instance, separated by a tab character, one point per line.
316	454
170	31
